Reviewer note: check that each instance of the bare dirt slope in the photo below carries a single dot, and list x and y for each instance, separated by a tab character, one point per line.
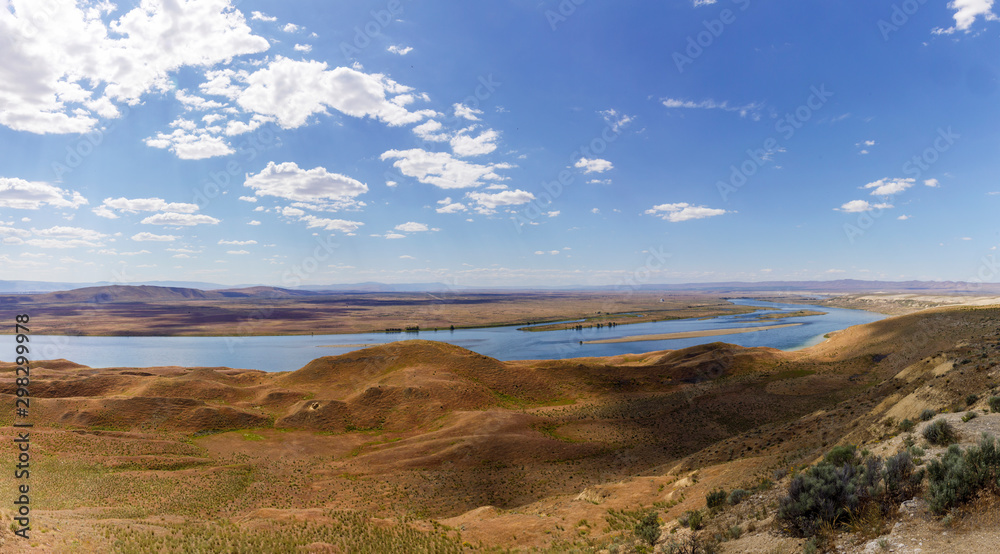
423	441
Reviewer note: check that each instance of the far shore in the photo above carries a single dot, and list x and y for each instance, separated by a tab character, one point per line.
690	334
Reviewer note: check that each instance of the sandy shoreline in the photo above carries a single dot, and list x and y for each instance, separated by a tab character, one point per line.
690	334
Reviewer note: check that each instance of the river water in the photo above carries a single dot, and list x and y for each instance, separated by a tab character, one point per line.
287	353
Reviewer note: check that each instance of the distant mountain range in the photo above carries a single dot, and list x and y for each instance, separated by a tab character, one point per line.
215	290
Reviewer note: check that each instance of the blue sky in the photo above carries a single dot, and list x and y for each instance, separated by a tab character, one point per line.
502	143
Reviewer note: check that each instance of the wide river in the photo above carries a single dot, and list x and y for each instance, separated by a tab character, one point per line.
288	353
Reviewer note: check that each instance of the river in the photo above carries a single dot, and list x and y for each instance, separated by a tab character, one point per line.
286	353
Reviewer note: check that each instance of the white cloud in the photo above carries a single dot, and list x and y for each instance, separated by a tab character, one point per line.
449	207
401	50
966	12
442	169
325	190
31	195
238	242
430	131
406	257
889	187
303	48
248	198
683	211
261	17
394	236
291	91
181	219
64	68
472	114
595	165
615	119
253	222
411	227
752	110
134	205
903	217
290	28
464	145
855	206
344	226
699	3
553	214
237	252
502	198
933	183
193	102
191	145
144	237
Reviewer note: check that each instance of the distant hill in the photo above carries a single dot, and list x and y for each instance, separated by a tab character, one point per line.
251	290
34	287
146	293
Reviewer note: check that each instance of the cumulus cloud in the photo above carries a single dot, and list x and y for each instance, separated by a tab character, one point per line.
400	50
238	242
411	227
889	187
449	207
317	186
291	91
179	219
430	130
341	225
966	12
31	195
64	67
683	211
488	202
441	169
595	165
191	145
134	205
933	183
463	111
146	237
464	145
855	206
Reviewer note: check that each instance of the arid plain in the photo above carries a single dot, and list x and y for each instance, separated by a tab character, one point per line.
420	446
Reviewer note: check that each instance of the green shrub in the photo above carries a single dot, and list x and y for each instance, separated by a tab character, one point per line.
841	455
995	404
906	425
958	476
940	433
648	528
971	399
715	499
737	496
969	416
829	494
693	519
927	415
